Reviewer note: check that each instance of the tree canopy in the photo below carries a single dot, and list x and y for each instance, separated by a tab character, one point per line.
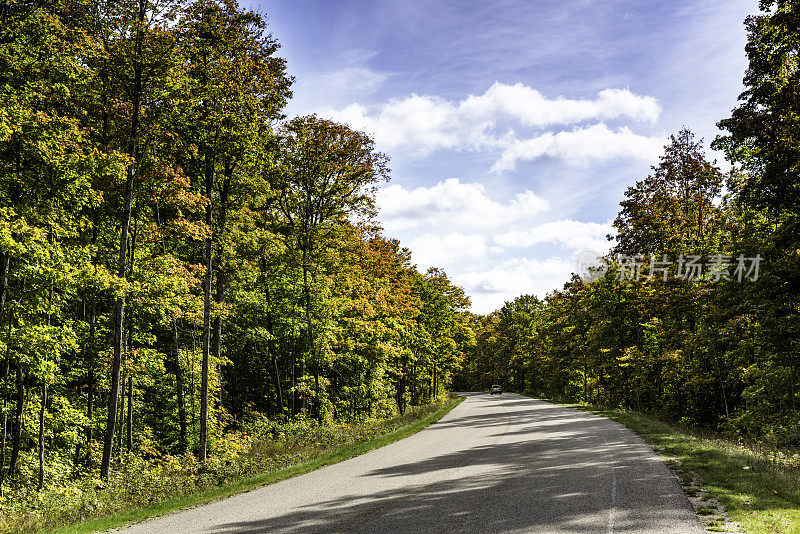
177	258
698	314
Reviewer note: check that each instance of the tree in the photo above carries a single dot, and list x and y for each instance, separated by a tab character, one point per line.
138	44
325	173
162	241
672	211
762	130
762	205
237	88
46	165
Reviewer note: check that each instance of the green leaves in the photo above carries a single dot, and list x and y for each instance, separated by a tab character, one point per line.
673	211
39	348
762	130
248	237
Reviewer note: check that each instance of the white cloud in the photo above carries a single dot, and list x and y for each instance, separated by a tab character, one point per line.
531	108
452	204
572	234
457	226
429	250
582	146
419	124
422	124
490	288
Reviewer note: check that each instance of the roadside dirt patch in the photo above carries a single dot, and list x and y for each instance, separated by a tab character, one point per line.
709	510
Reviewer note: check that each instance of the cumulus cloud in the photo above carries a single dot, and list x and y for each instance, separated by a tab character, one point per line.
429	250
531	108
422	124
567	232
453	204
459	225
489	288
582	146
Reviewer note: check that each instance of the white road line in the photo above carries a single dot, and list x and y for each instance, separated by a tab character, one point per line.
613	503
610	529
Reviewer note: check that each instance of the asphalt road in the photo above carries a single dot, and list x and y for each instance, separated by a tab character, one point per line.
506	463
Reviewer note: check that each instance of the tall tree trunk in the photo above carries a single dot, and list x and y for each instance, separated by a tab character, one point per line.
585	380
192	385
413	384
216	334
119	307
4	263
83	351
41	435
294	386
179	385
43	406
16	434
278	388
121	418
129	441
92	347
128	358
209	179
176	355
435	387
271	343
6	372
400	389
310	333
219	293
5	260
721	383
294	368
273	353
90	393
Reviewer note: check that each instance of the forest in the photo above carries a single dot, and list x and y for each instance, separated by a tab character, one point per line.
180	263
189	277
715	346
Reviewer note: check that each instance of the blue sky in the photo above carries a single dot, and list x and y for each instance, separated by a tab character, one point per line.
513	127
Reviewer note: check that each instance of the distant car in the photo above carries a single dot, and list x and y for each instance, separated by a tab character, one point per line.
495	389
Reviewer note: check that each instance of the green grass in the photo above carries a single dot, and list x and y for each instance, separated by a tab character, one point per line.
248	484
760	493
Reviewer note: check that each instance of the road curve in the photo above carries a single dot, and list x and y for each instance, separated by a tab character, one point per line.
506	463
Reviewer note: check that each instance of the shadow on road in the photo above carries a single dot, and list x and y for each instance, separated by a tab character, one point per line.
565	473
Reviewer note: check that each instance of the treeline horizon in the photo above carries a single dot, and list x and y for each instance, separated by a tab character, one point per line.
712	351
178	258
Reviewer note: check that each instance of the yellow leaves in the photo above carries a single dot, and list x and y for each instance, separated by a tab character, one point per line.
16	235
94	276
5	125
164	284
39	347
186	229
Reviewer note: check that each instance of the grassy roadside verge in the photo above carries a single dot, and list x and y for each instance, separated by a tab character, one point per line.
193	499
760	491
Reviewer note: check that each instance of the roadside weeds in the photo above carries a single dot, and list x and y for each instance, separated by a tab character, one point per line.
175	503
